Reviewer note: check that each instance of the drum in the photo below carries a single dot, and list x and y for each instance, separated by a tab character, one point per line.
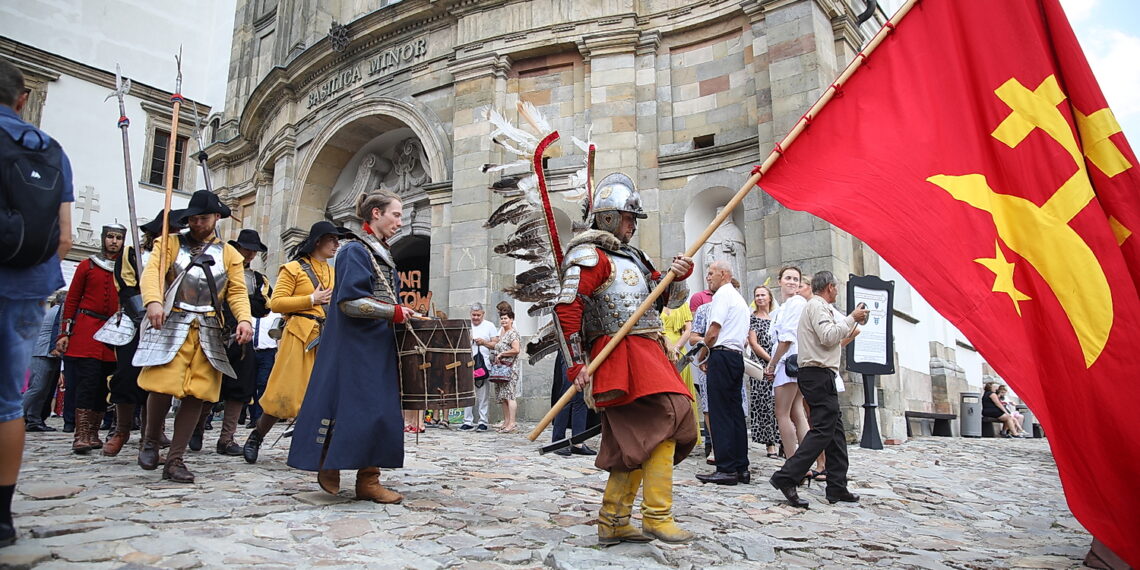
435	364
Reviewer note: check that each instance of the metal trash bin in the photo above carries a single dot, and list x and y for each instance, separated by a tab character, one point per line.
1027	419
970	414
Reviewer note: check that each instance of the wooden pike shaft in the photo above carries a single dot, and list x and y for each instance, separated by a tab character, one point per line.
758	172
170	154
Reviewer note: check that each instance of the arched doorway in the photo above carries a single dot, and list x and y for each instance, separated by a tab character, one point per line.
413	258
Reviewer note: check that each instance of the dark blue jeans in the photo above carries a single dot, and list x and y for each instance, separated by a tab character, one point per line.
20	320
264	360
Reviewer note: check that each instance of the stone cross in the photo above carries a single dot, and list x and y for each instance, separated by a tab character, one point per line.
87	201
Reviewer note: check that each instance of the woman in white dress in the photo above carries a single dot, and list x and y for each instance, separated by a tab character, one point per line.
790	414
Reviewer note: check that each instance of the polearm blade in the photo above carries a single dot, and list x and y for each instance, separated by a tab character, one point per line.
176	99
121	90
202	156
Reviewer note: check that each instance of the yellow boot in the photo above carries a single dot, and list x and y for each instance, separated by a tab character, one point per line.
657	502
617	504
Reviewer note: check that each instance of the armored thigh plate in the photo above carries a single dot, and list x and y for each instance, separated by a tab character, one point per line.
158	347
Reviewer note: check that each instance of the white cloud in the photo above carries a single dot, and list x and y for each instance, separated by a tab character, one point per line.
1113	56
1078	10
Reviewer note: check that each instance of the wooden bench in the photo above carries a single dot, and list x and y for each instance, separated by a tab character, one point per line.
940	423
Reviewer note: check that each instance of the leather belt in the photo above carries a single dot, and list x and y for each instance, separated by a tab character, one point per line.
727	349
94	314
320	320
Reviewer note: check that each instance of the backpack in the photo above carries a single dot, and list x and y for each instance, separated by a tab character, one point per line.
31	187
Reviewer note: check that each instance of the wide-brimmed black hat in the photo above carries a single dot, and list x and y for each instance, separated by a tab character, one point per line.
154	227
204	202
319	229
249	239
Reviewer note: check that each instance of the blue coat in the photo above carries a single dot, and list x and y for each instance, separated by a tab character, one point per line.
351	412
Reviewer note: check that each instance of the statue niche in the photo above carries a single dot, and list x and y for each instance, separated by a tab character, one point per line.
727	244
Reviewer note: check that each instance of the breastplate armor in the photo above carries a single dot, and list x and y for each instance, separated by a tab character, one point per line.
607	309
193	292
385	286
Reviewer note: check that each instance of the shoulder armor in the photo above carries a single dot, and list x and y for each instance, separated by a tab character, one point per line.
584	255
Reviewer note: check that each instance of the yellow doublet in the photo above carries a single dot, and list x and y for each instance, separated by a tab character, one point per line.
289	379
190	373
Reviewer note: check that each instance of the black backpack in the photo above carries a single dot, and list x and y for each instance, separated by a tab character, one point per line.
31	187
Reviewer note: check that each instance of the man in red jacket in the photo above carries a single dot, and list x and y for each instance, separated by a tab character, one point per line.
91	300
647	419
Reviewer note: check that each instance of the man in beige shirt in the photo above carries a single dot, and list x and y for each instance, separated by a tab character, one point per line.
820	340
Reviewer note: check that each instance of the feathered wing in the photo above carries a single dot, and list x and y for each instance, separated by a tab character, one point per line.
525	207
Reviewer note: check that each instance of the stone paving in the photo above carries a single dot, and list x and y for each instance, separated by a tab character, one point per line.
485	500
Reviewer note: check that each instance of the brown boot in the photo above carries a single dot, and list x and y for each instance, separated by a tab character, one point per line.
84	423
95	420
124	415
329	481
368	487
175	470
148	454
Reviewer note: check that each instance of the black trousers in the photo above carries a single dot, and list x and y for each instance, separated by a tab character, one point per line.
125	383
725	379
576	415
826	434
90	381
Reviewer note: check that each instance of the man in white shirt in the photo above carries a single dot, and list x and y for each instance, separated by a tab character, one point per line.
482	341
265	353
725	338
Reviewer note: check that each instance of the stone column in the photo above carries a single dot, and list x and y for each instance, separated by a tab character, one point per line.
461	239
947	379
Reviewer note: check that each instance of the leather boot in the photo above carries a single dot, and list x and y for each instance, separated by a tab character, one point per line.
368	487
252	446
329	480
226	445
148	454
657	503
84	422
175	470
124	414
617	505
95	421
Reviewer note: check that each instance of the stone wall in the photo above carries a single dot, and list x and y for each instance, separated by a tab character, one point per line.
683	97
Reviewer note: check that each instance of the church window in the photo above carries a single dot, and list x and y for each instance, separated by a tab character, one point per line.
157	172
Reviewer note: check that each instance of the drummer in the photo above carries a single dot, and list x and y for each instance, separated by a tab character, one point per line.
351	418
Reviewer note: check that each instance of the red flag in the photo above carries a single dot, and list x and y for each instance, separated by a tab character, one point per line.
975	153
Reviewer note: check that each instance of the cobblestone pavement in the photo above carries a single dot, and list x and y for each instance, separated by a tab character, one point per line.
484	500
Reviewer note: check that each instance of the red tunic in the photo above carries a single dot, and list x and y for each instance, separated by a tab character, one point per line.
92	289
637	367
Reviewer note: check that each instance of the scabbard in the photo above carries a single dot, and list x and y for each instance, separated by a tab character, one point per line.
572	440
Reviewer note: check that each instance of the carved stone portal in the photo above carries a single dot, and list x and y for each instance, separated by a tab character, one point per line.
401	169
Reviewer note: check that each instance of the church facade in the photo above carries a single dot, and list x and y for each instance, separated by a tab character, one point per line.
329	99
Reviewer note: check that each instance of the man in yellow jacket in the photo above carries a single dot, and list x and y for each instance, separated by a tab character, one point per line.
182	347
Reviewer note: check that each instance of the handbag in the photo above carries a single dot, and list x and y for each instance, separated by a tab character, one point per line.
479	371
791	366
500	373
117	331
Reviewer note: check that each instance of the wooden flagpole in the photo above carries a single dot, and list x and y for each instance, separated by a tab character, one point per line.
170	154
757	173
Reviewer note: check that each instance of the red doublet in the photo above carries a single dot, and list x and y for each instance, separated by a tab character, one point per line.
92	289
637	367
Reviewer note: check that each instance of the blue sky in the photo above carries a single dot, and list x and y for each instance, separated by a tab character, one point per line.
1109	33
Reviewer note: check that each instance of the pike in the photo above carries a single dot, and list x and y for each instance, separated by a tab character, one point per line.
202	156
176	99
121	90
